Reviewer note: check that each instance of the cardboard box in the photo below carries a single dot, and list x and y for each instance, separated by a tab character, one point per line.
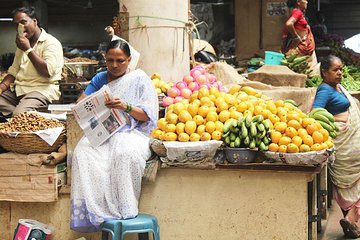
22	182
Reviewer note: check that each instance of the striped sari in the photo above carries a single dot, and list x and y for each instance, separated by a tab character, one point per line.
345	171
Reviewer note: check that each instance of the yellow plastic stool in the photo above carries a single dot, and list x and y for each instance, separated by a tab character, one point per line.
142	223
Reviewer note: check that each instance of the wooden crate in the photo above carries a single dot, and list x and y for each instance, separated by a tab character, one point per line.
22	182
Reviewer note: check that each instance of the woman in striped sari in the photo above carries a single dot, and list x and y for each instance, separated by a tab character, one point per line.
345	171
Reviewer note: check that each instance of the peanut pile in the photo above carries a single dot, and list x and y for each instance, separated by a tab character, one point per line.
29	122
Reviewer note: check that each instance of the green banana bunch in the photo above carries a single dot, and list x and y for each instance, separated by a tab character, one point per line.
326	120
292	102
248	132
296	64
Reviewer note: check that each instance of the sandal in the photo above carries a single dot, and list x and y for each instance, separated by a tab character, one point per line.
350	230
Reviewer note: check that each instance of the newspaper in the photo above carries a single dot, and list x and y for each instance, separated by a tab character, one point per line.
97	120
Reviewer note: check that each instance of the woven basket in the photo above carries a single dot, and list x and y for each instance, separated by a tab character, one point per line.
27	143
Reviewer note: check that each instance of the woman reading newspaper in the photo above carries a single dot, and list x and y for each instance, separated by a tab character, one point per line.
106	181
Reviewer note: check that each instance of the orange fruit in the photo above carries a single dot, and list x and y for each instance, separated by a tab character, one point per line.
214	91
198	119
273	147
184	116
317	137
311	128
219	126
206	101
306	121
275	136
308	140
155	133
302	132
284	140
171	118
161	124
232	108
274	118
280	126
180	128
170	128
235	114
210	127
205	136
282	148
212	116
329	143
222	106
194	137
241	107
279	103
193	108
178	107
223	116
190	127
170	136
291	132
294	123
203	92
183	137
316	147
292	148
293	116
203	111
296	140
304	148
200	129
270	105
216	135
325	133
323	146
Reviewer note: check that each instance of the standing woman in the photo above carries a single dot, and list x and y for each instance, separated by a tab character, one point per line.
297	36
345	171
106	181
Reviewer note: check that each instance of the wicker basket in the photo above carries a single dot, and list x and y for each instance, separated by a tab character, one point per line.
27	143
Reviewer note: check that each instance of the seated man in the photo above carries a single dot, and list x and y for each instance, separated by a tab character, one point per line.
33	77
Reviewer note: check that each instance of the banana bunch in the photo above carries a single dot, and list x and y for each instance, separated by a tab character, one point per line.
326	120
292	102
247	132
297	64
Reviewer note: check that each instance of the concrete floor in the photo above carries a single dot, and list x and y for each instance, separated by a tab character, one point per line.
331	227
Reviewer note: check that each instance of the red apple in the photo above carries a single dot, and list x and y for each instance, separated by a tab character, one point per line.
173	92
167	101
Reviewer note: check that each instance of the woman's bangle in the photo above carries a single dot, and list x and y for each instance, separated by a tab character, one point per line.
128	108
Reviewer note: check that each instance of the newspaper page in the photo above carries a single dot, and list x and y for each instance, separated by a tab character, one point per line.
97	120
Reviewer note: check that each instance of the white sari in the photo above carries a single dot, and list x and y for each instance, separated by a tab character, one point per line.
106	181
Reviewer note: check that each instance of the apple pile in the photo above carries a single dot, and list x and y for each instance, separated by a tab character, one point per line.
197	79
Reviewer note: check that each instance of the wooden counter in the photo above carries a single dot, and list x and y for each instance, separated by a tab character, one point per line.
250	201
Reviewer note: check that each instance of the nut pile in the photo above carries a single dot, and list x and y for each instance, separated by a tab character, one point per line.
29	122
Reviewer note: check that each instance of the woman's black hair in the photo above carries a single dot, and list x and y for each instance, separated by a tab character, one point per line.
30	11
291	3
121	45
327	62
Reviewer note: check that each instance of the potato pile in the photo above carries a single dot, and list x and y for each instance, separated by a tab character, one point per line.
29	122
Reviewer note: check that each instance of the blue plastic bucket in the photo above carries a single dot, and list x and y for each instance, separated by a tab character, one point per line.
273	58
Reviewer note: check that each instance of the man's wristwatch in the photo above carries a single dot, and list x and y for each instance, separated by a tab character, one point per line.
28	51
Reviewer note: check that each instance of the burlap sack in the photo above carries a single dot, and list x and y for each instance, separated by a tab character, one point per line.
225	73
304	97
278	75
